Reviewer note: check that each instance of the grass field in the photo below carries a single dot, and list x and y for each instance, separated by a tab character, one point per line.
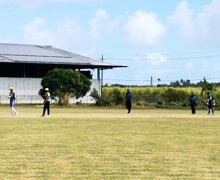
102	143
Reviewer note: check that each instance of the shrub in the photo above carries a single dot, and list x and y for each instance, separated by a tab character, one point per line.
117	97
99	100
163	97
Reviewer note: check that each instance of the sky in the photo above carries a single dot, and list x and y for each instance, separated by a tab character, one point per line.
168	40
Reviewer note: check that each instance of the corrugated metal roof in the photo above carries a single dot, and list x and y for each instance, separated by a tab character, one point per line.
35	54
3	59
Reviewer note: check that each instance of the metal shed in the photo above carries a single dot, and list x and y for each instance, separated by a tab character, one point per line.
23	66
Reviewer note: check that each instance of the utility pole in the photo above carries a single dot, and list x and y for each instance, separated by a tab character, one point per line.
151	81
102	76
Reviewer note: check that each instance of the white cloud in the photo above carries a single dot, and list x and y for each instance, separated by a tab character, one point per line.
69	34
182	17
200	29
207	25
96	24
189	66
116	23
156	58
36	33
66	33
143	67
143	29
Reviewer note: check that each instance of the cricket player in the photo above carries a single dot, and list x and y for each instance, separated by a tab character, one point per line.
210	103
192	102
46	102
12	98
128	98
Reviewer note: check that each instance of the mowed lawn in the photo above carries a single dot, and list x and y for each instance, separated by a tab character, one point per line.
108	143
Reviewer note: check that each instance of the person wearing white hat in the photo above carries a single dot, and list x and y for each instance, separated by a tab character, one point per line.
12	98
46	102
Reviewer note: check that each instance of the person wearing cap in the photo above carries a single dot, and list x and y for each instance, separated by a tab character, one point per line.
12	98
46	102
210	103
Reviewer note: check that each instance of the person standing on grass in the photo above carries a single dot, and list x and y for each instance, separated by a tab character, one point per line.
210	103
12	98
128	98
46	102
192	102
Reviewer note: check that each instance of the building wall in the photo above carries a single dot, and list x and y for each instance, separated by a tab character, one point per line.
26	90
87	98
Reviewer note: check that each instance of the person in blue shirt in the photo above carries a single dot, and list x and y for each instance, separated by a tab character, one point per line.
12	98
210	103
128	98
192	102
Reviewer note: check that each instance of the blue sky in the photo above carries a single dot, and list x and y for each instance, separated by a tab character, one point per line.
165	39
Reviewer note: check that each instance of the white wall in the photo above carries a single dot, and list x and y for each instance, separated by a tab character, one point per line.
26	90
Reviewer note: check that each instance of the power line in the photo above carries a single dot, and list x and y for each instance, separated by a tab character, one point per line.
197	55
133	80
168	58
164	53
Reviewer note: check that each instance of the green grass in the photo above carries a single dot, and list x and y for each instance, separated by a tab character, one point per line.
93	143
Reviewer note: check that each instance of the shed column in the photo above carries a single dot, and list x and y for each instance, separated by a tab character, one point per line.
98	73
98	78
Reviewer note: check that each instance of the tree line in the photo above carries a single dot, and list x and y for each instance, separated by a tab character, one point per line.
187	83
67	83
159	96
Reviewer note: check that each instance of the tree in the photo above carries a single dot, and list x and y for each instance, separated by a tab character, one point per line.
207	87
185	83
182	81
65	83
117	97
100	101
158	80
175	84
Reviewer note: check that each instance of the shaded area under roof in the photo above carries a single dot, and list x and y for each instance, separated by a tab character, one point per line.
35	54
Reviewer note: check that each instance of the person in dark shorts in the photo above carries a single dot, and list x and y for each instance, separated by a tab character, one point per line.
46	102
192	103
210	103
128	98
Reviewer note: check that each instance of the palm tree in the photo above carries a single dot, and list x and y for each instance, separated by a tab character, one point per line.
158	79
